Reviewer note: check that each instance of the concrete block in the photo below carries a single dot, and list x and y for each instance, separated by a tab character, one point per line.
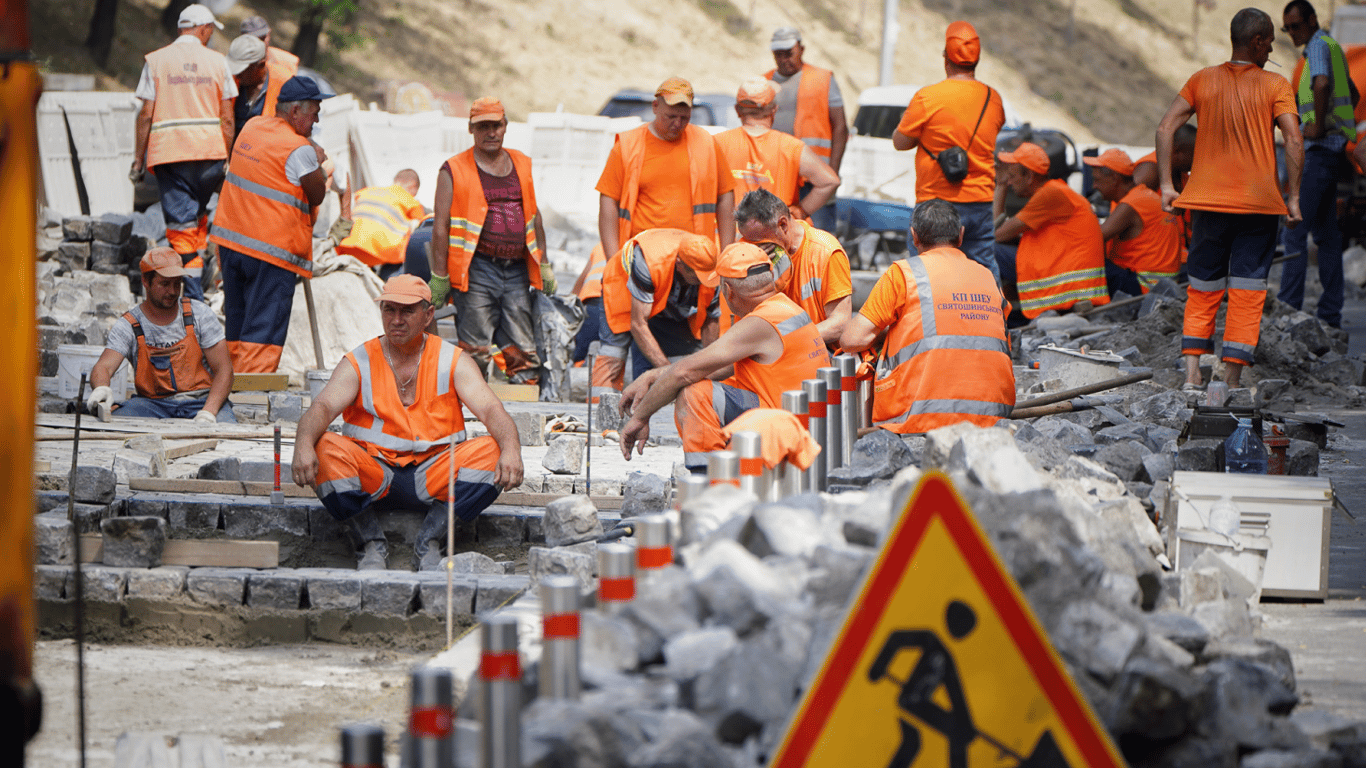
494	591
608	415
107	258
258	521
49	501
147	506
103	584
643	493
285	406
389	593
89	516
50	581
1302	459
1198	455
74	256
545	561
204	513
560	485
166	582
500	528
569	520
78	228
330	589
129	464
112	228
530	427
226	468
133	542
93	485
217	586
432	595
475	563
277	590
564	456
55	537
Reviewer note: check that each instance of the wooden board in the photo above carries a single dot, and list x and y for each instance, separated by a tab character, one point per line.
516	393
259	381
224	553
226	487
189	449
519	499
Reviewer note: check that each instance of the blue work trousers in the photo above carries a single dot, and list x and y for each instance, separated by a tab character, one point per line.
1319	206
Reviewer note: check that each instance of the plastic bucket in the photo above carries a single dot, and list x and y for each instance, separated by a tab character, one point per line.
76	359
316	379
1244	554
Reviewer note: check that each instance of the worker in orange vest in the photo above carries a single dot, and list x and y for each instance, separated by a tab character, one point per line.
183	133
762	158
264	225
1143	241
260	28
810	106
772	348
947	356
381	220
258	81
400	397
588	287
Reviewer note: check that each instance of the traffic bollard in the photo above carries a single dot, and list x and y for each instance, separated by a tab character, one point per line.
849	410
616	575
653	550
834	419
723	468
865	400
559	672
362	746
430	719
754	476
814	389
500	694
689	487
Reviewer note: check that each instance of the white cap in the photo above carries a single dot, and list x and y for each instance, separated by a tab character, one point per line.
197	15
784	38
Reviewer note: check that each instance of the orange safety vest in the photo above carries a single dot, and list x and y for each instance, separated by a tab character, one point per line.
172	370
276	75
800	276
771	161
1156	252
702	177
379	225
946	359
284	59
260	213
390	431
803	353
186	115
812	121
1064	263
592	282
469	207
659	247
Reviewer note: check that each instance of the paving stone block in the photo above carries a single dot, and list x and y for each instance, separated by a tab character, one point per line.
333	589
280	589
432	595
133	542
217	586
494	591
50	581
285	406
78	228
226	468
89	516
564	456
191	514
535	527
258	521
47	501
93	485
389	593
561	485
103	583
500	528
573	561
55	538
112	228
147	506
166	582
530	427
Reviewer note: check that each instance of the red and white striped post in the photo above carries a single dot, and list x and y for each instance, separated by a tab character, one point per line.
834	418
815	424
616	575
431	719
653	550
850	413
362	746
754	476
723	468
559	672
500	694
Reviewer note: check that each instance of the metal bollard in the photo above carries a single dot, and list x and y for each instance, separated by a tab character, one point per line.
723	468
500	694
689	487
652	549
834	419
815	424
559	674
754	476
362	746
430	719
849	410
865	402
616	575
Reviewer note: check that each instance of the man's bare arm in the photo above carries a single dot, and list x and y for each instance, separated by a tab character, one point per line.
901	142
1008	230
143	130
824	181
1294	165
1177	114
103	370
725	218
220	362
839	136
1322	89
1123	223
441	223
644	337
859	334
607	225
474	392
228	121
837	314
340	392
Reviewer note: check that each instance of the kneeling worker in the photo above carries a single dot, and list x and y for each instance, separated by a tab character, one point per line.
773	347
1143	242
382	220
400	397
947	358
178	375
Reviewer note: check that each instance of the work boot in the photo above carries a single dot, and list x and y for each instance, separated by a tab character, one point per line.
375	557
429	558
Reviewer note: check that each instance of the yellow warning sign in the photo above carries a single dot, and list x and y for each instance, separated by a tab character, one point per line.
942	663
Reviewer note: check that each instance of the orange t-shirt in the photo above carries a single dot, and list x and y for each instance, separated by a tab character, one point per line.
1157	249
942	115
1234	170
769	161
665	195
884	305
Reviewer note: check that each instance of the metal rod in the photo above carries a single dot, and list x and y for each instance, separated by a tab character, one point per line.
814	389
850	413
559	673
79	581
616	575
1089	389
362	746
887	55
749	447
500	694
277	497
865	402
689	488
588	446
450	547
430	719
834	419
723	468
789	481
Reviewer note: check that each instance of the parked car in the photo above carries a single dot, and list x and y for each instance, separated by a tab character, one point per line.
708	109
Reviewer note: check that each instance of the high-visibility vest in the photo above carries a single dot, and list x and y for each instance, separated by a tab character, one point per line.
659	247
801	275
812	121
946	359
1063	263
260	213
469	207
1341	116
592	282
276	75
283	59
803	353
388	429
769	161
1156	252
186	115
166	371
379	225
702	178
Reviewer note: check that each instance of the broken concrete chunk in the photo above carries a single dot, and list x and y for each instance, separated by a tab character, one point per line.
474	562
564	456
644	493
133	542
547	561
607	417
530	427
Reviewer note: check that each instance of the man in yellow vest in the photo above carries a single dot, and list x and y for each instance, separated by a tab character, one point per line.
810	106
382	218
258	26
183	133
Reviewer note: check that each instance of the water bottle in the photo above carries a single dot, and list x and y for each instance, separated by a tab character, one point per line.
1224	517
1243	450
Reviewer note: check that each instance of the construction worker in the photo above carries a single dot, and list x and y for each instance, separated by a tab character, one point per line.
1233	194
959	113
652	294
809	106
1143	242
811	267
264	225
258	83
1061	259
183	133
588	287
761	158
1183	151
666	174
178	374
382	218
1326	104
947	358
400	397
260	28
772	348
488	246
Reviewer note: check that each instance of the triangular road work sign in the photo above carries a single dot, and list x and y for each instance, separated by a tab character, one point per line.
942	663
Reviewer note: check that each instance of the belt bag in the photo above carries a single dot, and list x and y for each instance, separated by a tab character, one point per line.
953	161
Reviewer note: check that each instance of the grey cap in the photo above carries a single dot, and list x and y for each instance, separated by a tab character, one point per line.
256	25
784	38
245	51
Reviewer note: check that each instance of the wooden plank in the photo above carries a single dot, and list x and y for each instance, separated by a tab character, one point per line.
516	393
519	499
259	381
226	487
39	465
223	553
189	449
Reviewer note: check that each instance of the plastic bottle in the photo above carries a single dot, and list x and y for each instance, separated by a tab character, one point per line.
1224	517
1243	450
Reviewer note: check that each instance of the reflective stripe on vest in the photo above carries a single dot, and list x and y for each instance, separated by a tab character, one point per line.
803	353
1070	294
260	212
374	433
1340	114
811	123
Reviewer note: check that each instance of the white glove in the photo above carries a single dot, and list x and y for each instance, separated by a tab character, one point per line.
204	417
99	396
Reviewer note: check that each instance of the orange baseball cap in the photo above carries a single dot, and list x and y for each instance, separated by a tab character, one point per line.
675	90
698	252
738	260
486	110
1030	156
961	44
757	92
1115	159
406	289
164	262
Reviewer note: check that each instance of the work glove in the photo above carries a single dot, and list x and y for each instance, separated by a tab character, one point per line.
204	417
548	283
441	288
341	229
99	396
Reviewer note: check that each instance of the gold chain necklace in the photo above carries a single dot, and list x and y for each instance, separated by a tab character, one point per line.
404	386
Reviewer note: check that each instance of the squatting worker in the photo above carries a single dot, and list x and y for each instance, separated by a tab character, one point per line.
178	374
1233	194
264	225
381	220
809	106
761	158
400	397
260	28
652	294
488	246
183	133
667	173
946	358
1143	242
1060	263
772	348
958	112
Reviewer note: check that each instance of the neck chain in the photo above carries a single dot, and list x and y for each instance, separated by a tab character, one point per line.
404	386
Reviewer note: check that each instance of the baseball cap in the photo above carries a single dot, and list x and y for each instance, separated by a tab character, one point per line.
784	38
245	51
164	262
301	88
406	289
1115	159
698	252
196	15
738	260
256	25
757	92
675	90
486	110
961	44
1030	156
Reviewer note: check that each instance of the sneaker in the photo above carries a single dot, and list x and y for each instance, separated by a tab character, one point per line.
431	558
375	557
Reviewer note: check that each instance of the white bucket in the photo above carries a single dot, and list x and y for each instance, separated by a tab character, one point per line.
316	379
75	359
1244	554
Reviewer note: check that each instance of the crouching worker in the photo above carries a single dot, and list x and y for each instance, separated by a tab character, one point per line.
400	397
178	374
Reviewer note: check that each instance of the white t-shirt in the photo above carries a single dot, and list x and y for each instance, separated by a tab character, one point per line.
147	85
301	162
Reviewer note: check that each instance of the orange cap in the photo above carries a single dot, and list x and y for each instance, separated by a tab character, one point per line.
961	44
406	289
1115	159
698	252
757	92
738	260
675	90
164	262
1030	156
486	110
